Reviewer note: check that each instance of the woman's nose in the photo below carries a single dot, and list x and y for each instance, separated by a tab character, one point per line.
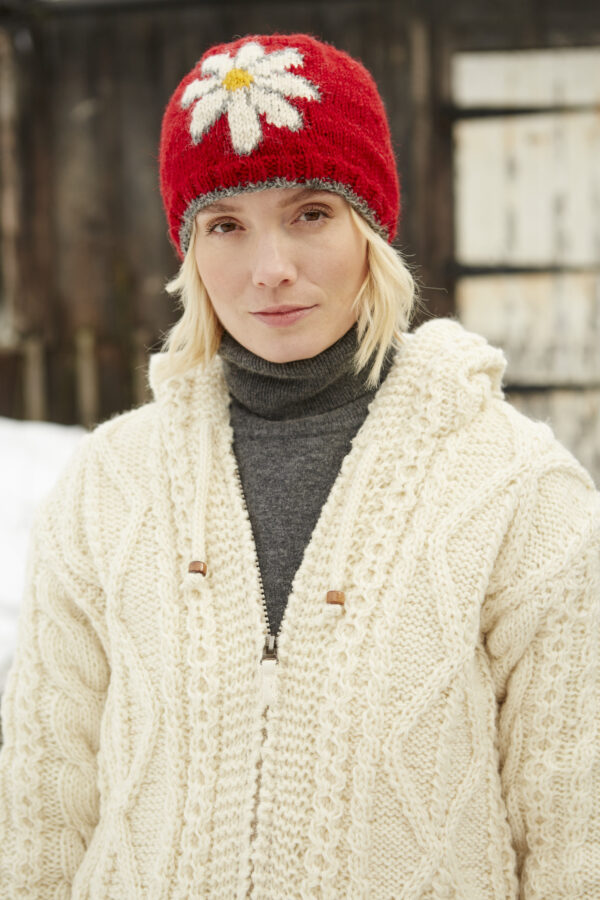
273	264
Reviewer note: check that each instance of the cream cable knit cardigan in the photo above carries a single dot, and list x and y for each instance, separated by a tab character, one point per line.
436	737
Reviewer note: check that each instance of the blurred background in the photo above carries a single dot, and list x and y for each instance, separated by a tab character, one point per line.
495	117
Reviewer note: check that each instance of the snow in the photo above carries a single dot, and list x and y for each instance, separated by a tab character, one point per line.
32	455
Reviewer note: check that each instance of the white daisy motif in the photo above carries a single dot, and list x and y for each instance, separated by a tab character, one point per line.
243	86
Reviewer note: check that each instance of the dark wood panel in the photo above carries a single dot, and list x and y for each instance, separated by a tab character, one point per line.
11	384
83	160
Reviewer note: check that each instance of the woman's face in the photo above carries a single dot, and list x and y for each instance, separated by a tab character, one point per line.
282	268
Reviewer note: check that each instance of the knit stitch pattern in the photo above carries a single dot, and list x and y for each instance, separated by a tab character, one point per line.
435	737
276	110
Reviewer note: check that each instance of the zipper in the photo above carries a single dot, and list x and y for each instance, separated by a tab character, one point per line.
268	671
268	660
269	655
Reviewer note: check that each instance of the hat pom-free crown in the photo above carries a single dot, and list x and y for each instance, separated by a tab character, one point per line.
272	111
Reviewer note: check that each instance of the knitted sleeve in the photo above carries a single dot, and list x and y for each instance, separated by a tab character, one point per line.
542	636
52	706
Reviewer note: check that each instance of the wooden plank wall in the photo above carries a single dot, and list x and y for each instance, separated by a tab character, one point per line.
527	221
85	252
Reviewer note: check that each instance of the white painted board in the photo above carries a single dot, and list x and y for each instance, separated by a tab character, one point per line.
527	190
547	324
526	78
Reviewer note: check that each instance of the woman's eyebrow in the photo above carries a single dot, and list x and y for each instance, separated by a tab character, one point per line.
228	206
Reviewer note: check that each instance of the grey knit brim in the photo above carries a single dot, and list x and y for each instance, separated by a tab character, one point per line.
319	184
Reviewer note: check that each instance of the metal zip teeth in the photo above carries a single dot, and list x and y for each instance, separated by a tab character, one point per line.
269	650
270	639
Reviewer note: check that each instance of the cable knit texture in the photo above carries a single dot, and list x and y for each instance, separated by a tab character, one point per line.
435	737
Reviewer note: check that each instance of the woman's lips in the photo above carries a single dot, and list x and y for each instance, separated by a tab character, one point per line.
277	316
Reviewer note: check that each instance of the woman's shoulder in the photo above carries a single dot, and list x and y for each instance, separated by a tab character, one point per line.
113	455
461	376
126	435
531	443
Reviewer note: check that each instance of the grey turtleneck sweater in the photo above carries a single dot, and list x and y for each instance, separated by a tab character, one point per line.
293	424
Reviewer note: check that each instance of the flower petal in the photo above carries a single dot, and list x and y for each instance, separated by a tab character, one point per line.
248	55
219	64
197	89
206	112
289	85
244	123
277	61
277	110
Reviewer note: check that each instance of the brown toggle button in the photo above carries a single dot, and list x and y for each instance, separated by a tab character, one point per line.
336	597
197	567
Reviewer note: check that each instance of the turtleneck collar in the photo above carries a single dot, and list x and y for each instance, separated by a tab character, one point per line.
296	389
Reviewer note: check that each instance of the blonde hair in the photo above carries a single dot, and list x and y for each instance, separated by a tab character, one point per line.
384	305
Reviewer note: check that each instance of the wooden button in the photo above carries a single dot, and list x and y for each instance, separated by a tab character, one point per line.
197	567
336	597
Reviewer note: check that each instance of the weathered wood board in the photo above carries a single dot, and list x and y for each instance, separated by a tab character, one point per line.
548	324
527	78
527	195
574	417
9	194
527	190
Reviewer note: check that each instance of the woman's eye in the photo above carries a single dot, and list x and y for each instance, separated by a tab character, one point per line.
221	228
314	215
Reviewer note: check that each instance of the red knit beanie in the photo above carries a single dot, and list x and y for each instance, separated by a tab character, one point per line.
276	111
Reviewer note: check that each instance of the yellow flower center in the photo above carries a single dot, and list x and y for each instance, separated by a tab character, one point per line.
236	79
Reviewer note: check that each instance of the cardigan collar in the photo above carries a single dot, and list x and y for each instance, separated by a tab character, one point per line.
442	373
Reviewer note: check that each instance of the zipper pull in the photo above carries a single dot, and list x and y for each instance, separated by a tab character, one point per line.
268	670
270	648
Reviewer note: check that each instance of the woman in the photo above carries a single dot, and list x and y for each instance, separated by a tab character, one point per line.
320	621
